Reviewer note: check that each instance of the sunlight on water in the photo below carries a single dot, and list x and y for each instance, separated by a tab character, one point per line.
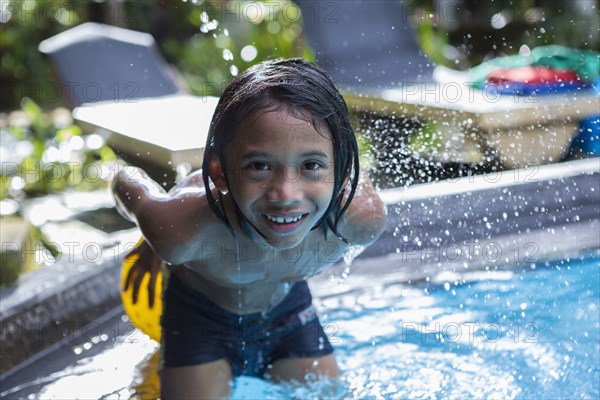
112	373
490	339
118	371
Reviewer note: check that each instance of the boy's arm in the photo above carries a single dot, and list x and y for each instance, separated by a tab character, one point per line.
364	219
167	220
132	190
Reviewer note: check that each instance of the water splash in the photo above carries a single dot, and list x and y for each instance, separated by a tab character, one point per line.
208	24
351	253
227	55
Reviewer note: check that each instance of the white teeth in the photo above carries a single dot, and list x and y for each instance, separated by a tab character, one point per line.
281	220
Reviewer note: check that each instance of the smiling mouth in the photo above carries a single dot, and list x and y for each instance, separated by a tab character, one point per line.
284	224
284	220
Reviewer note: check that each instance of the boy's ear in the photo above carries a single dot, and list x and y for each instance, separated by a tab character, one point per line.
216	174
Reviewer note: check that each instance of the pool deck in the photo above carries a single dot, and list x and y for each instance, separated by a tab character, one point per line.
444	231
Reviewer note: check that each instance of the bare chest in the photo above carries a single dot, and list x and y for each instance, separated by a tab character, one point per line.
246	263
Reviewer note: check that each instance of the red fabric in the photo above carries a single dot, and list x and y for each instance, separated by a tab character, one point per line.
532	74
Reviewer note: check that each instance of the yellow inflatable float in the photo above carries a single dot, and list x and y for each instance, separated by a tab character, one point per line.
142	316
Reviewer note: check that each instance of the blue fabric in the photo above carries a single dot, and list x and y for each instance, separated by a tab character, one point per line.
526	89
196	331
588	140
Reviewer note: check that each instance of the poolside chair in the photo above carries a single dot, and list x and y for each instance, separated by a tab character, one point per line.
365	44
120	86
97	62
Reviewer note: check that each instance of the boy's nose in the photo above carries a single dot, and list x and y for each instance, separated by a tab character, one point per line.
285	187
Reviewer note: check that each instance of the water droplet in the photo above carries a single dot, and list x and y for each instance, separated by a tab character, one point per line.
248	53
227	55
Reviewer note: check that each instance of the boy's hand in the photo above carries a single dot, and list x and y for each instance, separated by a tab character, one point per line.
147	262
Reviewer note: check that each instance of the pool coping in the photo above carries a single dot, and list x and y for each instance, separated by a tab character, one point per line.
59	310
431	269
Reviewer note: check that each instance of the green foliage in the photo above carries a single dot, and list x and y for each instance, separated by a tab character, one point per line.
433	40
463	34
48	156
24	71
207	41
228	37
202	39
16	259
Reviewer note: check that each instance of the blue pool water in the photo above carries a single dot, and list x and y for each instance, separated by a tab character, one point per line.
522	333
532	333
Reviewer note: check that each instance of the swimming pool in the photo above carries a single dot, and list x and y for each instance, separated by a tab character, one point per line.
527	332
446	303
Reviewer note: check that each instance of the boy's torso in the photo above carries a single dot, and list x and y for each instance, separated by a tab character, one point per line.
245	277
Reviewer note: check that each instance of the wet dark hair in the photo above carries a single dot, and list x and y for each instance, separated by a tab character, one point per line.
307	92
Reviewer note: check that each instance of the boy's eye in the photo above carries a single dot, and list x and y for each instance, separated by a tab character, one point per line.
259	166
312	165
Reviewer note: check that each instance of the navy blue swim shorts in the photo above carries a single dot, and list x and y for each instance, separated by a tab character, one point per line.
196	331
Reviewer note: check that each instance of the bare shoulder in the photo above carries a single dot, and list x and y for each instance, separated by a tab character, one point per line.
172	222
364	219
191	224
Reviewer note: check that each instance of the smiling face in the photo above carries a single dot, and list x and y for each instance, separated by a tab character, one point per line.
281	175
